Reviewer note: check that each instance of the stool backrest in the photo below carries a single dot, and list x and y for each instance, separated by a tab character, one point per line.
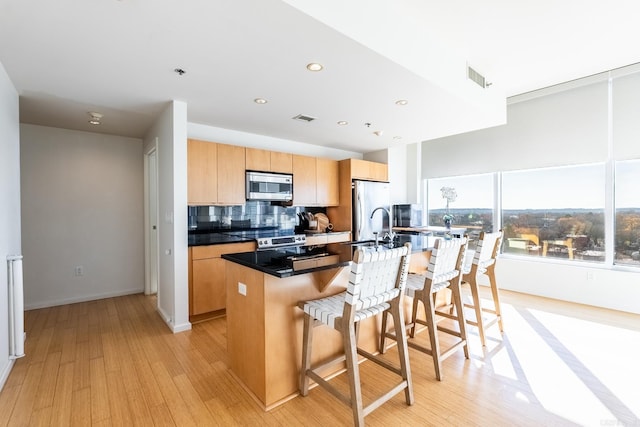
487	249
446	260
377	276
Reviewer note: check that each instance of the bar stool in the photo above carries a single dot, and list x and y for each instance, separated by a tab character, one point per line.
484	262
376	285
443	271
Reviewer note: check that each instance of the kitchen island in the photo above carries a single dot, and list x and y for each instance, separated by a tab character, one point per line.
264	327
264	324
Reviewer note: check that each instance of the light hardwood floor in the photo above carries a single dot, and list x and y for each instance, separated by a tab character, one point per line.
114	362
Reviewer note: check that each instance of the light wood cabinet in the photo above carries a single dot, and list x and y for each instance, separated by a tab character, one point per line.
215	173
327	177
304	180
270	161
371	171
315	181
207	289
202	175
231	175
281	162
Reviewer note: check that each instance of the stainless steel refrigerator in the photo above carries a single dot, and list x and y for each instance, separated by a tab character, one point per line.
367	196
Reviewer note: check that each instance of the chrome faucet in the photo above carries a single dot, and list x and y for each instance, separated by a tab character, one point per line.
389	233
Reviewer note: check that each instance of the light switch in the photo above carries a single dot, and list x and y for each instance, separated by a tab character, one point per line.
242	289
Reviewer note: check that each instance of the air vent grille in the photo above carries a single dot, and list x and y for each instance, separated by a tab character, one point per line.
304	118
477	77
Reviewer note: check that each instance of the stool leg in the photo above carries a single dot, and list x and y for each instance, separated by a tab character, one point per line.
457	298
496	298
475	296
433	331
306	354
353	372
383	332
403	350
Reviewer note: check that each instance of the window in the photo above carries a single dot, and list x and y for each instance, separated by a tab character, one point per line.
555	212
473	205
627	209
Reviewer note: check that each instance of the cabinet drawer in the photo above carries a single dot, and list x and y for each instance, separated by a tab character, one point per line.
215	251
338	237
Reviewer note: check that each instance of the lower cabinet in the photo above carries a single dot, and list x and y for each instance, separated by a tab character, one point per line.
207	292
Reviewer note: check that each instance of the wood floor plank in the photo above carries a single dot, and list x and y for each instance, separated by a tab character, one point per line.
47	383
114	361
100	409
8	399
177	406
61	405
81	407
119	409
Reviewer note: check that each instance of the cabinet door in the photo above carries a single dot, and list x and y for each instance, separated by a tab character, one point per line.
209	288
281	162
304	180
258	160
231	175
202	178
379	171
372	171
327	182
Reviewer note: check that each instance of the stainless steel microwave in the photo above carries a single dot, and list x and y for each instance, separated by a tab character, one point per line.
269	186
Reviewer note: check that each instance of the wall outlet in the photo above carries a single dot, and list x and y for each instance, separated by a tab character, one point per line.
242	289
78	271
591	275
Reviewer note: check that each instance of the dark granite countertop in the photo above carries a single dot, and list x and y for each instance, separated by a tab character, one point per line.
274	262
216	239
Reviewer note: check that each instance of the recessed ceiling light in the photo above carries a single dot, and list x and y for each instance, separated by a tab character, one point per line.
402	102
314	66
343	123
94	118
260	101
378	133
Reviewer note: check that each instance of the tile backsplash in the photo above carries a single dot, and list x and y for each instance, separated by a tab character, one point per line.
252	214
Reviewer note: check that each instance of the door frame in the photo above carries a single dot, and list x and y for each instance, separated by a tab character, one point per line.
151	250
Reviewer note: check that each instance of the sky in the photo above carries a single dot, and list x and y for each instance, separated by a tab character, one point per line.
578	187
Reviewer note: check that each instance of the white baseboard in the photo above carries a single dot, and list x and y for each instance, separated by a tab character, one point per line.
5	372
83	298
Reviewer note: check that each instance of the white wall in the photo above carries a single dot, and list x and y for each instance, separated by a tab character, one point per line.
169	132
82	205
568	124
9	205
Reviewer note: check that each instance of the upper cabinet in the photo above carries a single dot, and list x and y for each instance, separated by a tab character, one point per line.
315	181
270	161
304	180
327	178
216	173
370	171
202	174
231	175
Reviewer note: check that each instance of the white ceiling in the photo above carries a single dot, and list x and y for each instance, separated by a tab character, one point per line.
117	57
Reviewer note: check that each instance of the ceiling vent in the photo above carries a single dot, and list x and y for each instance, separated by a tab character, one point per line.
303	118
477	77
